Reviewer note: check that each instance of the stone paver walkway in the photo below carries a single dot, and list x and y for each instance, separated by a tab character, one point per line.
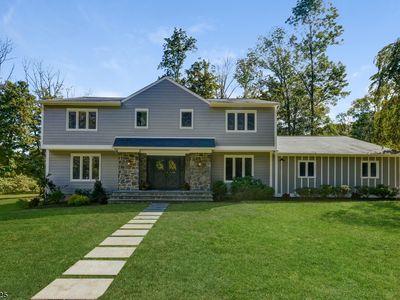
104	260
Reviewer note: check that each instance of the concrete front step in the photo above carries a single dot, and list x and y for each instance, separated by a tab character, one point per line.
168	196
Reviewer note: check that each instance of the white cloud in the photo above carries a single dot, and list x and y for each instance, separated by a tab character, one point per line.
158	36
111	64
200	27
362	70
7	17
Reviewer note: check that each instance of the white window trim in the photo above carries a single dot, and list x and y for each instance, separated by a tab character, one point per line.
306	161
81	166
180	118
147	117
234	165
77	110
236	112
369	169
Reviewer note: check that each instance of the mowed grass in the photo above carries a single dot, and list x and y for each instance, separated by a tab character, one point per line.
275	250
38	245
331	250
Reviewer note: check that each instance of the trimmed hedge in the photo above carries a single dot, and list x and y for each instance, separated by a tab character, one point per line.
78	200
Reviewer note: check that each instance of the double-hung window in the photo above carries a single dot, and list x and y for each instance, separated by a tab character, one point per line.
85	167
306	169
238	166
241	121
369	169
82	119
186	119
141	118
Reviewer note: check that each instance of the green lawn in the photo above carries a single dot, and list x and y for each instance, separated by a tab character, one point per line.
331	250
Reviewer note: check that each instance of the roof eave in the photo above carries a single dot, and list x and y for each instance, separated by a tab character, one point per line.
81	103
213	104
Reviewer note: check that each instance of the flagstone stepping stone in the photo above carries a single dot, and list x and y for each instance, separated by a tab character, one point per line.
146	217
122	241
133	221
137	226
150	213
110	252
95	267
74	288
133	232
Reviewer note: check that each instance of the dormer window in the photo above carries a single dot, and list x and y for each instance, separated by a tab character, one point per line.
142	118
186	119
81	119
241	121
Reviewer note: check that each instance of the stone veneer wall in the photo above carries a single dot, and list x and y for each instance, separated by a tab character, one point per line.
128	171
198	171
142	168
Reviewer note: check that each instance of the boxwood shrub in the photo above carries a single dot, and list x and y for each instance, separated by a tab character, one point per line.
78	200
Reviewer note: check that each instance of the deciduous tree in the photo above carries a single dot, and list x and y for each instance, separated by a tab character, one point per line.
176	48
200	79
316	27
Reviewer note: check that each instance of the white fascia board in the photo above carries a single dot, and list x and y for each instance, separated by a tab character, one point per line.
78	147
244	148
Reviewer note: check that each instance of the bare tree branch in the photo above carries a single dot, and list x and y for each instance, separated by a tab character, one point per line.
5	50
226	80
45	82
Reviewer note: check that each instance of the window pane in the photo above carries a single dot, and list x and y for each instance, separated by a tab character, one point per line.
373	169
186	119
240	120
85	167
141	118
302	169
82	120
364	169
95	168
228	168
251	121
238	167
92	120
248	166
72	119
310	169
76	167
231	121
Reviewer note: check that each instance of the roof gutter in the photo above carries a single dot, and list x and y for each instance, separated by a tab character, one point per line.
213	104
81	103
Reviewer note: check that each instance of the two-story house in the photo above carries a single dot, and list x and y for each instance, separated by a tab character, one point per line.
165	137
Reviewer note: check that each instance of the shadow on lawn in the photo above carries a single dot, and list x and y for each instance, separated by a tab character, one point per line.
12	211
378	214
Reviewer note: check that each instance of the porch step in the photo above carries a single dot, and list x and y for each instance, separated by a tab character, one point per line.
153	195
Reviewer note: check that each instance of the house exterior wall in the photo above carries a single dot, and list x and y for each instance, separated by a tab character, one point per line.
262	166
59	168
334	170
164	102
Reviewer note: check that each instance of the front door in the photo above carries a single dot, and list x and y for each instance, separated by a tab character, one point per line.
166	172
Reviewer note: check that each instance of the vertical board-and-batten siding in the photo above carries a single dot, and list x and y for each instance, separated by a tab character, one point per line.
164	101
334	170
60	171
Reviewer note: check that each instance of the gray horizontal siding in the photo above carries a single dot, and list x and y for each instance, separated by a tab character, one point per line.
60	172
164	101
261	166
335	171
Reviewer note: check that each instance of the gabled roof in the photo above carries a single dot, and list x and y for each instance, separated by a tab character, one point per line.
159	81
341	145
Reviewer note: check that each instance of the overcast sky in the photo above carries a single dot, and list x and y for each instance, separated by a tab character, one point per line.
112	48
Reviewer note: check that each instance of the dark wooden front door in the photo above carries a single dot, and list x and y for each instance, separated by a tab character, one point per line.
166	172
